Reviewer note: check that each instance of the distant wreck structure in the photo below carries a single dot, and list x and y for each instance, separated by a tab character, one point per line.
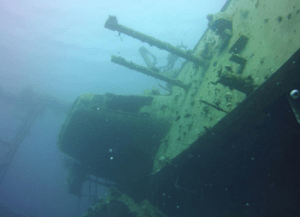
229	124
27	106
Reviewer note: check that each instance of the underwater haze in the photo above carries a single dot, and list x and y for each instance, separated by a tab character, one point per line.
60	49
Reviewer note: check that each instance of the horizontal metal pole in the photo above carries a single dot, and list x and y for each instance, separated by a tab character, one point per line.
121	61
112	24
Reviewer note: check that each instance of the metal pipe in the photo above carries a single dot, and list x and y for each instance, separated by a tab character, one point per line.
121	61
112	24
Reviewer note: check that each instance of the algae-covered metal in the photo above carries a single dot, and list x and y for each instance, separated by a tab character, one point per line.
185	144
118	204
